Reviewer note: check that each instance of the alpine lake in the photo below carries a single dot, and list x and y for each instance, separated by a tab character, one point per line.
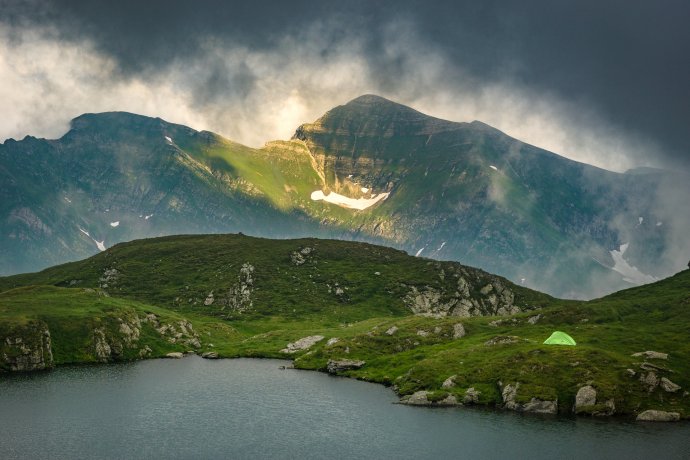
251	408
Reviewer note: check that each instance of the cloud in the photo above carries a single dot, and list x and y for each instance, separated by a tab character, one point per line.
253	94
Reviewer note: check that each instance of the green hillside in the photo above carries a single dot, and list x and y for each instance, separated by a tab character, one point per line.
432	330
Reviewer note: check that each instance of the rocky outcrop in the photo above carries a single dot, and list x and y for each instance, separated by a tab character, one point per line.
109	278
668	386
174	355
302	344
651	355
472	295
340	365
421	398
179	332
658	416
509	394
27	348
300	257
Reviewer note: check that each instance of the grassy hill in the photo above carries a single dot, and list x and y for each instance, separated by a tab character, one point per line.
439	332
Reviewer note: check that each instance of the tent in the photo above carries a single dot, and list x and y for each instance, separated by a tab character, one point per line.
559	338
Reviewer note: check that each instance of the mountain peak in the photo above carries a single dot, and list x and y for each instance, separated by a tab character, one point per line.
375	105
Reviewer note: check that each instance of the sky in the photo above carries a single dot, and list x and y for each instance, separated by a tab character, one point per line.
604	82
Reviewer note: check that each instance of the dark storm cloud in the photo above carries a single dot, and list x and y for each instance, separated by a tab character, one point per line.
626	63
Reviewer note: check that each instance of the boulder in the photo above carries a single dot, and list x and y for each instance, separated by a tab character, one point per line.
392	330
650	380
586	396
658	416
668	386
334	366
458	331
651	355
332	341
302	344
538	406
449	382
534	319
174	355
209	355
471	396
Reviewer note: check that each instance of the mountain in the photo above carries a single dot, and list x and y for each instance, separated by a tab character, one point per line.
439	333
370	170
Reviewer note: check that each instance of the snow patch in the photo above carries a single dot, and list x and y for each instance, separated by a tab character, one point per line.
365	190
522	280
419	252
99	244
493	167
147	217
630	273
115	224
67	200
441	247
168	139
349	176
659	224
346	202
639	221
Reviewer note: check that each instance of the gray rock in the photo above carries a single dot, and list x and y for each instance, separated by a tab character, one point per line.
535	405
302	344
423	333
534	319
458	331
209	355
449	382
27	348
174	355
502	340
630	372
668	386
658	416
471	396
392	330
421	398
651	355
334	366
586	396
650	380
538	406
332	341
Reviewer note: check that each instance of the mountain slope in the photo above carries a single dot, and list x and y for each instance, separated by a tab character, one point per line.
370	170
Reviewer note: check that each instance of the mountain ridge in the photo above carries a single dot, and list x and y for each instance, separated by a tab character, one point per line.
468	192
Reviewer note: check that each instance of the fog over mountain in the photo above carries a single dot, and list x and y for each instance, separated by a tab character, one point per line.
601	83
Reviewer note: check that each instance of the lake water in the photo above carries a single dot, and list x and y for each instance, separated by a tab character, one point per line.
245	408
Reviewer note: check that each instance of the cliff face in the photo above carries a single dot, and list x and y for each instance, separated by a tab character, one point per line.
26	348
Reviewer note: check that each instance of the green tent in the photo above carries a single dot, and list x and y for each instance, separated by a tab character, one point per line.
559	338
